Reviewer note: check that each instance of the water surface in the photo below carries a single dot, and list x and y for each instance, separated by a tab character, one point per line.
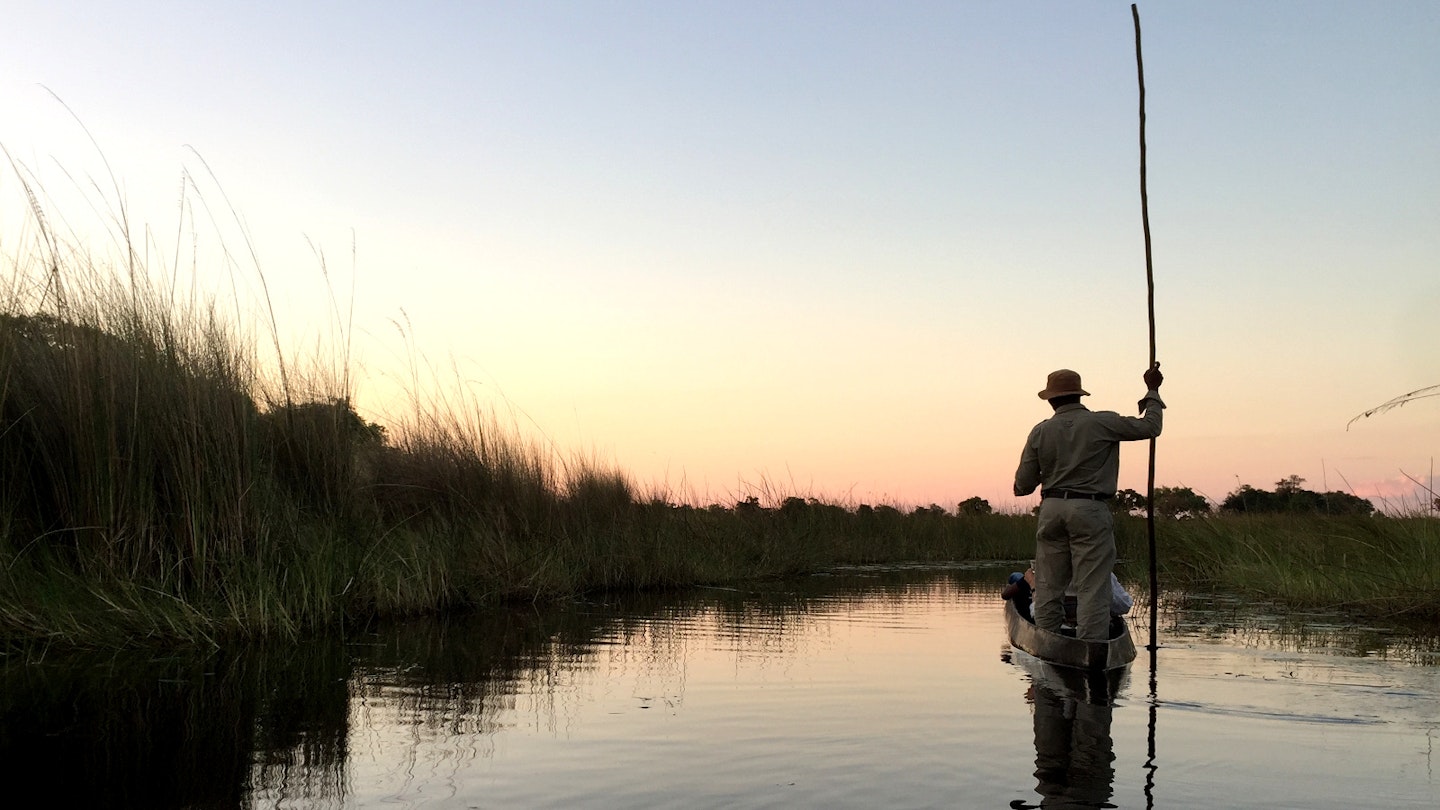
885	687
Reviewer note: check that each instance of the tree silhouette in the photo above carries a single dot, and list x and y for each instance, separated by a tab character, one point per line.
974	506
1290	497
1127	501
1180	502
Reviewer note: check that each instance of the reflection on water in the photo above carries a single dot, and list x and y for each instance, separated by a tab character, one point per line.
1246	622
1074	755
866	687
1072	712
138	730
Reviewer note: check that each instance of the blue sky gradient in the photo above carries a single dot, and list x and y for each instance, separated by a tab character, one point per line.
826	249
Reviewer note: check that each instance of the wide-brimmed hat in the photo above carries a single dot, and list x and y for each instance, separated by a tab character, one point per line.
1061	383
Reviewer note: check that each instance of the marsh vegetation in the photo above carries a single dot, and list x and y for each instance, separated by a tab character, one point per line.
156	486
165	474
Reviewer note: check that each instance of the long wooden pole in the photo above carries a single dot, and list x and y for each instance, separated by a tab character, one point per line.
1150	301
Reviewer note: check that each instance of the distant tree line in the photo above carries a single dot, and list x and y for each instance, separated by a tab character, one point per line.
1170	502
1178	503
1288	497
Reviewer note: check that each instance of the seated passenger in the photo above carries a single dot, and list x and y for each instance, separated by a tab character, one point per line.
1120	601
1020	589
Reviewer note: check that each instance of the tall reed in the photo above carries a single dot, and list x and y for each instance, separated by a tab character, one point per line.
1377	566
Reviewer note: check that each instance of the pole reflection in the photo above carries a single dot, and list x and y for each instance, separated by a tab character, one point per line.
1153	704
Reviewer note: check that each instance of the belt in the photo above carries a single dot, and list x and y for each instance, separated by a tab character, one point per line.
1065	494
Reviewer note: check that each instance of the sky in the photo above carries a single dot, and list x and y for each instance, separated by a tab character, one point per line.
821	249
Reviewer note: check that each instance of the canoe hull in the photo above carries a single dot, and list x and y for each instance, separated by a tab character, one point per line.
1096	656
1095	686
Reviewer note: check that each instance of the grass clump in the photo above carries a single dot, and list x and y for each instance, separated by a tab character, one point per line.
1375	566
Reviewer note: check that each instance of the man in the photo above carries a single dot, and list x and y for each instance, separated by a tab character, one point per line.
1075	455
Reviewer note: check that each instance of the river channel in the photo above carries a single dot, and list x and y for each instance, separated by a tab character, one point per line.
889	687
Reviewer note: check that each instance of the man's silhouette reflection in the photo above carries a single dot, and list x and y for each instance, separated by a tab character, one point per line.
1074	753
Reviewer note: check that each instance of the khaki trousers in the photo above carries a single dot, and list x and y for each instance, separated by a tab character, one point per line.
1075	544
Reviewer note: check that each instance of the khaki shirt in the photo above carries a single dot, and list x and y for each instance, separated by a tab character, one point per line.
1078	449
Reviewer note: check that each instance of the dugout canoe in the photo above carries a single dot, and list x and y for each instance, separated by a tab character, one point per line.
1065	651
1095	686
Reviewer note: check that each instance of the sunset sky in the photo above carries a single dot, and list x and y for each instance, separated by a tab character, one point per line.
829	249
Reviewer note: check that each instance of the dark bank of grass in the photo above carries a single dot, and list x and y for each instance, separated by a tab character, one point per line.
441	519
155	485
1379	566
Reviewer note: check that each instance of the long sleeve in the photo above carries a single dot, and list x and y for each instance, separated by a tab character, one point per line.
1147	426
1027	476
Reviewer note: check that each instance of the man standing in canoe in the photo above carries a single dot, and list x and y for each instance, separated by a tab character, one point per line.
1075	457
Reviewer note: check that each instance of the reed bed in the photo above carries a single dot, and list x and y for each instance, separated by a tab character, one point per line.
164	478
158	485
1379	566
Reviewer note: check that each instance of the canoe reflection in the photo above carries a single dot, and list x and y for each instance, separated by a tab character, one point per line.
1074	752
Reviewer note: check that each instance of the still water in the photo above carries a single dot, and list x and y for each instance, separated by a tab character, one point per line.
885	687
